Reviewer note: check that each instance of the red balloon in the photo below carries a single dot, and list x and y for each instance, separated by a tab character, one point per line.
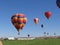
36	20
47	14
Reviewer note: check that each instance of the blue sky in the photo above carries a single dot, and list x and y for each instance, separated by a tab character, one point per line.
32	9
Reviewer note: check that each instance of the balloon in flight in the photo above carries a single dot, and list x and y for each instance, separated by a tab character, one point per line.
36	20
48	14
19	21
58	3
42	25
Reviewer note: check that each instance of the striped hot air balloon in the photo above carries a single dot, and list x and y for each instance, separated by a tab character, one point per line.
19	21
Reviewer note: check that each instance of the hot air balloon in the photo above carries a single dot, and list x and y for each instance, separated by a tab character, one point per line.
58	3
42	25
44	32
47	33
19	21
36	20
48	14
28	35
54	33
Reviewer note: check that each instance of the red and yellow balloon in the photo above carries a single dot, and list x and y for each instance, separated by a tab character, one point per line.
19	21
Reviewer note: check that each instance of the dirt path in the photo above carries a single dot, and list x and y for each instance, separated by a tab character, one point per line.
0	43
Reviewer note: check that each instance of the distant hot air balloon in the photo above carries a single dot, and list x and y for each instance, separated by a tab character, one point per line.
47	33
48	14
58	3
44	32
28	35
54	33
42	25
19	21
36	20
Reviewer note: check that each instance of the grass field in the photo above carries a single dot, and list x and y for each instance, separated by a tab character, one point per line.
32	42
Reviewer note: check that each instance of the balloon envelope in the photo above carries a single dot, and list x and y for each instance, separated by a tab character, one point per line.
36	20
42	25
28	35
48	14
58	3
18	20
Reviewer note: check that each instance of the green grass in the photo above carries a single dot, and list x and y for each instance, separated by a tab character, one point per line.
32	42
